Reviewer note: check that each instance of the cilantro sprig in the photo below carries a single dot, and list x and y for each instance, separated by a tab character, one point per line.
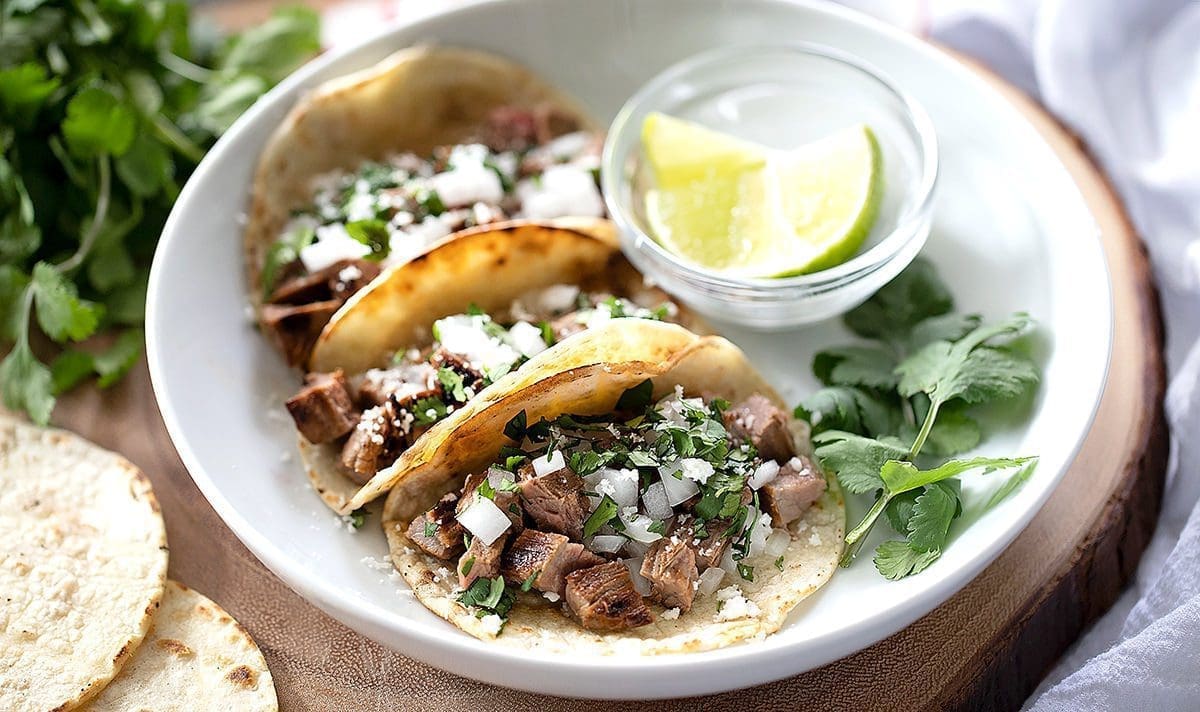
105	110
893	410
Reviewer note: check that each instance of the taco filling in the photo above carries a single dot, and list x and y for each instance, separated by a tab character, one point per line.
376	415
523	163
665	503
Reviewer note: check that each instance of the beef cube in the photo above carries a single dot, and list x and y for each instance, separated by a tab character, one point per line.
670	567
471	377
551	122
380	436
294	329
788	496
764	424
556	502
408	382
603	598
322	410
708	549
481	560
545	557
338	281
510	128
437	532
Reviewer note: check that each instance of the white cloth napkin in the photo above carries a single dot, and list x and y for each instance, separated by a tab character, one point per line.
1125	74
1126	77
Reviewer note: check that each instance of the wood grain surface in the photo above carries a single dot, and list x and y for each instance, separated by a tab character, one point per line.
986	648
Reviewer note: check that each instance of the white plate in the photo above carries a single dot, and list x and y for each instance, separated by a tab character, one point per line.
1011	232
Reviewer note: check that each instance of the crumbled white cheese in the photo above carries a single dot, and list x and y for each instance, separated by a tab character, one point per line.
527	339
562	191
696	469
349	273
492	624
550	596
733	605
815	538
361	205
333	244
670	614
466	184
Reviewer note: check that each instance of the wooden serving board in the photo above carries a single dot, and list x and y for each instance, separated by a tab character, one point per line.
986	648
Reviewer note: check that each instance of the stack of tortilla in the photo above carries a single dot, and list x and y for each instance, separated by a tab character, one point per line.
88	619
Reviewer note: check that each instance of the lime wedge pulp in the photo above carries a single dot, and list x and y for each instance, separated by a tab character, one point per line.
736	207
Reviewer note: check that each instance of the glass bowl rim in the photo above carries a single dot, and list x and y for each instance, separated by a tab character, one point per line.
907	225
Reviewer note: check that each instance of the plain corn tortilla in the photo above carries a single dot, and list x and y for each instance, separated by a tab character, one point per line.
83	562
488	267
707	364
413	101
196	657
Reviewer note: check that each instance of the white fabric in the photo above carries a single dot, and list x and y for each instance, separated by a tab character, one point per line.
1125	74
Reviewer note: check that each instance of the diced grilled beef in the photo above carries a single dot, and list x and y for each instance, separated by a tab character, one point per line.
322	410
437	532
670	567
708	549
556	501
798	484
339	280
603	598
482	560
295	328
507	500
472	378
409	383
764	424
512	128
545	557
380	436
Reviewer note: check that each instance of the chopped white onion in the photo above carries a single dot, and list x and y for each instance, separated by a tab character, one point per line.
464	334
640	584
562	191
546	464
621	485
679	490
607	544
527	338
496	477
696	469
654	499
777	543
484	520
635	548
729	564
333	244
637	526
557	297
765	473
467	183
710	580
759	531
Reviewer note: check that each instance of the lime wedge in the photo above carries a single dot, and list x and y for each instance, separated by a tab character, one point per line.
736	207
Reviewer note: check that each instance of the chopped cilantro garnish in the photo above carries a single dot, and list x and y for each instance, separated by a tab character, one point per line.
452	384
486	490
466	566
779	562
659	527
430	528
358	517
428	411
515	428
636	399
430	202
528	583
746	572
547	333
373	233
489	595
605	512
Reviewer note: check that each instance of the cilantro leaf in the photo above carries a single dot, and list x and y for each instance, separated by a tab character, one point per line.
60	311
896	559
636	398
98	122
23	88
26	384
604	513
901	476
946	327
953	432
515	428
869	366
373	233
428	411
932	512
452	384
914	295
969	370
1012	484
856	460
848	409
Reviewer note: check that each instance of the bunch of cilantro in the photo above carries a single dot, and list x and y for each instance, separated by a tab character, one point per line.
106	107
895	410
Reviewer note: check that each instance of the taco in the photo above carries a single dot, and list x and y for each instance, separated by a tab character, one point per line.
462	321
370	169
661	501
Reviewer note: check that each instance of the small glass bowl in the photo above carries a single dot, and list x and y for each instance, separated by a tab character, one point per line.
781	96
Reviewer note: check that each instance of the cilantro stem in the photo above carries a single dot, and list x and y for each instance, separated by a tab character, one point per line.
187	70
172	135
926	427
89	238
857	535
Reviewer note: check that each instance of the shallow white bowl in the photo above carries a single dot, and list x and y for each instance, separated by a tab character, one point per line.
1011	232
